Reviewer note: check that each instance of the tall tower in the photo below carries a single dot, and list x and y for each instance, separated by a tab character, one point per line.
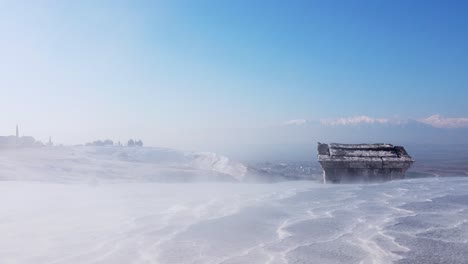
17	132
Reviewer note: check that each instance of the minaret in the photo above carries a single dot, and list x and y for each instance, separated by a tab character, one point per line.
17	132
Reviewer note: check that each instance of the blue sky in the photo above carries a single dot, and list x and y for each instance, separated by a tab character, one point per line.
200	73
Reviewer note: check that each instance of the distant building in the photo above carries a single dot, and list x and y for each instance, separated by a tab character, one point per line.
17	141
363	162
8	141
50	143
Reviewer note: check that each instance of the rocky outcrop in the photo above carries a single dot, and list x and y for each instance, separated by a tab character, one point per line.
363	162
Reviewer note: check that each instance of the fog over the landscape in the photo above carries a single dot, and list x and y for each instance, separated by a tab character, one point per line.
186	132
118	204
290	140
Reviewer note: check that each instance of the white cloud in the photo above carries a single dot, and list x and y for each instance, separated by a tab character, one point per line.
355	120
445	122
295	122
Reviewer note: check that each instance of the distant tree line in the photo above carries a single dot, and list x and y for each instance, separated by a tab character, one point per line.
108	143
101	143
135	143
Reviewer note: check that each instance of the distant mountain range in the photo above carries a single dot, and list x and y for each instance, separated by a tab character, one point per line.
364	129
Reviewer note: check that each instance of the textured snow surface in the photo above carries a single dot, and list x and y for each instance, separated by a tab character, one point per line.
214	162
116	164
147	205
408	221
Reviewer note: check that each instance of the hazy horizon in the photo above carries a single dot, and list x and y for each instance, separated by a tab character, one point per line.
227	76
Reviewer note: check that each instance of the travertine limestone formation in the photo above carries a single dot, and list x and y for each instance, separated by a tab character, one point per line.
362	162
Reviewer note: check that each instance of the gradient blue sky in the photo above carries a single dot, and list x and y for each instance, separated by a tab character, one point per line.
193	73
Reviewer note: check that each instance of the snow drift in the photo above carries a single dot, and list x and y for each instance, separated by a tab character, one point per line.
116	164
408	221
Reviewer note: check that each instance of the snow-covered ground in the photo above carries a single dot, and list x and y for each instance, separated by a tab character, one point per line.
116	164
103	205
